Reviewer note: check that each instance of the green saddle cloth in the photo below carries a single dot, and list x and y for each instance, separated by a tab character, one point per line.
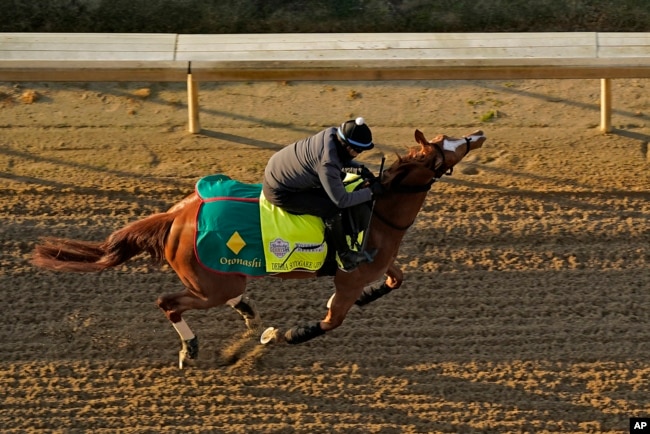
228	235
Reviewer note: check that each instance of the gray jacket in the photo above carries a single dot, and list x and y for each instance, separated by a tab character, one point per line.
314	162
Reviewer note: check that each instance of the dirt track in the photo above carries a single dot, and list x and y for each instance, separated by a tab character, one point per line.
526	305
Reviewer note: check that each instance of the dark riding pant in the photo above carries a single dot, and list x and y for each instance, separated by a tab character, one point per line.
314	201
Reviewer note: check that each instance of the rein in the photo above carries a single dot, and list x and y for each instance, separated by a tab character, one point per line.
391	224
404	189
420	188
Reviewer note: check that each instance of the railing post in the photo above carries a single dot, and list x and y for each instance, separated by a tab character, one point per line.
605	105
194	125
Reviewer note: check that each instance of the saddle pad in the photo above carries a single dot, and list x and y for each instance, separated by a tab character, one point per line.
291	242
228	237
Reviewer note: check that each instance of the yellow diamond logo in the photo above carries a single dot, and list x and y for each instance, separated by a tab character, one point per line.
236	243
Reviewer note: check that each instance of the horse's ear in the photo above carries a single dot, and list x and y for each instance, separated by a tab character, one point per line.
419	137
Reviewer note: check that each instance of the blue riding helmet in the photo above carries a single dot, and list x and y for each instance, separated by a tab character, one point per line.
356	134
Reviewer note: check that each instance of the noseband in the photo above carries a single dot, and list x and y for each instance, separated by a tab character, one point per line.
438	172
441	171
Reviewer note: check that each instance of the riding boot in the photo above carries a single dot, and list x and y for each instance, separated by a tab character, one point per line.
350	259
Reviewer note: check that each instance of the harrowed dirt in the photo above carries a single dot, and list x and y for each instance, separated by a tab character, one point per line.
526	301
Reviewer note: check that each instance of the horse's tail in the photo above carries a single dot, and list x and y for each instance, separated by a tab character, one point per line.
146	235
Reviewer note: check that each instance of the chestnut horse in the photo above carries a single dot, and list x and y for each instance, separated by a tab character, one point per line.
170	236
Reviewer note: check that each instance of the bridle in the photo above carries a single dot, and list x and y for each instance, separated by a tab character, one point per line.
438	172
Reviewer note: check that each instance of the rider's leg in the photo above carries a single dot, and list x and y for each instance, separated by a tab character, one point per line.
349	258
317	202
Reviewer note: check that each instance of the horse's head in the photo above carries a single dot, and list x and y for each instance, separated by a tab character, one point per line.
422	166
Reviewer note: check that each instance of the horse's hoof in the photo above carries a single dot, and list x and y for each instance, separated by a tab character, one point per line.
329	302
270	335
189	351
182	354
253	324
191	348
248	310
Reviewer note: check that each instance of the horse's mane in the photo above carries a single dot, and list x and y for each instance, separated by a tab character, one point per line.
417	156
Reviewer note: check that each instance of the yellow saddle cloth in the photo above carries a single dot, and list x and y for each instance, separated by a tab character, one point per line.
291	242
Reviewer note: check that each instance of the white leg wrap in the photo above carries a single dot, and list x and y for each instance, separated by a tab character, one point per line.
233	301
183	330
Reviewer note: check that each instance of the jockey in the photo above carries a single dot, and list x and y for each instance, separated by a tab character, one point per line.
306	177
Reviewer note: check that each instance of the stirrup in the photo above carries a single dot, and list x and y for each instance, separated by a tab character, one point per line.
350	260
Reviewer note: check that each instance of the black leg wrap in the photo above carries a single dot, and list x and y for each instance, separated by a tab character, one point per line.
371	294
192	347
300	334
244	309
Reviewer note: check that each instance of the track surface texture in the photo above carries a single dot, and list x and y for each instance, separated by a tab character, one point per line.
526	301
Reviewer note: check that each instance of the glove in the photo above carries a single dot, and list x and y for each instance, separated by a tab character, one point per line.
377	189
366	173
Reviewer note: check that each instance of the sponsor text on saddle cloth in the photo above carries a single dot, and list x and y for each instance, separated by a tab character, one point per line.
238	231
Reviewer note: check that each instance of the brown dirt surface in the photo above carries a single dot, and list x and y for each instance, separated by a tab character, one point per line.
526	302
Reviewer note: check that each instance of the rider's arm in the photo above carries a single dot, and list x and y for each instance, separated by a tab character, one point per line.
330	177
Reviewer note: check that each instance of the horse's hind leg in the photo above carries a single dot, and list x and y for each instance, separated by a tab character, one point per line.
247	309
173	305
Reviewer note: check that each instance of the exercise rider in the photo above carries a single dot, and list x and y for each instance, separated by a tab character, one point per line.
306	177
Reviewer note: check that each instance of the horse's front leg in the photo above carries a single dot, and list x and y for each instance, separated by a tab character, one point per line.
394	279
347	292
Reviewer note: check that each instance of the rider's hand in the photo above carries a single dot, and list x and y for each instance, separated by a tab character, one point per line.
377	189
366	173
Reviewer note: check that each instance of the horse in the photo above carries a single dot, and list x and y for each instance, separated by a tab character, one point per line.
170	236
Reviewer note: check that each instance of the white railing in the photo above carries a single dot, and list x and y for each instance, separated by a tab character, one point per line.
87	57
